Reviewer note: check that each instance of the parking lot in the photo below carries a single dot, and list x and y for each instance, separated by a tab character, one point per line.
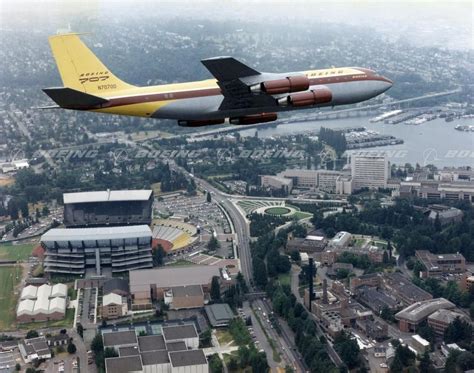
8	361
87	307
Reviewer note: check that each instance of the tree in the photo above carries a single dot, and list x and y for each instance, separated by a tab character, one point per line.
32	334
213	244
215	364
348	349
80	330
208	197
110	352
425	364
71	348
97	344
260	272
158	256
17	367
215	289
458	330
205	338
295	256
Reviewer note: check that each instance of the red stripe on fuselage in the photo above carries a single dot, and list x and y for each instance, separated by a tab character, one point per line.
179	95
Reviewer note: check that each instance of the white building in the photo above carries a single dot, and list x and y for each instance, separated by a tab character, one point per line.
276	182
301	178
42	303
369	171
341	239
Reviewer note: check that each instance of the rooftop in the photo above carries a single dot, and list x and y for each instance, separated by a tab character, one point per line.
102	233
446	316
155	357
176	346
140	280
172	333
185	291
119	338
187	358
115	284
421	310
219	314
151	343
123	364
128	351
107	196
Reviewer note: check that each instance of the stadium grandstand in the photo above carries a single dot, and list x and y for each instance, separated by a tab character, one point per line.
97	250
173	234
108	208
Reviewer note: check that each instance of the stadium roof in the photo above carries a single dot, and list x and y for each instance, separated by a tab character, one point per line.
421	310
107	196
140	280
102	233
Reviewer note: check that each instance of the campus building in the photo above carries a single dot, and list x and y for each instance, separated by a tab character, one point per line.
43	303
154	284
175	351
108	208
440	264
369	171
277	183
113	249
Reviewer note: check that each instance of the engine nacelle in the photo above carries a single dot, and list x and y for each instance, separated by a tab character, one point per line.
317	96
199	123
287	85
253	119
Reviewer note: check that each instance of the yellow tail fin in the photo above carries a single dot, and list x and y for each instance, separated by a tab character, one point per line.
80	69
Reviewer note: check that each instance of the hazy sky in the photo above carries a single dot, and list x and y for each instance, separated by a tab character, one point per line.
423	22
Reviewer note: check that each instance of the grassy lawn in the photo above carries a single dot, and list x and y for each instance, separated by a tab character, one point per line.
301	215
359	242
381	244
284	279
16	252
277	211
9	278
64	323
223	336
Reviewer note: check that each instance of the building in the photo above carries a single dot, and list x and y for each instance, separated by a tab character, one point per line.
34	349
60	339
116	286
341	239
14	165
108	208
327	180
113	249
301	178
373	329
309	244
219	314
402	289
440	264
184	297
445	214
277	183
333	271
370	279
420	345
113	306
410	317
431	189
344	185
375	299
369	171
441	319
175	351
152	284
44	303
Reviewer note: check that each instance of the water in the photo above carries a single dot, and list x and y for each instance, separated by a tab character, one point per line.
435	142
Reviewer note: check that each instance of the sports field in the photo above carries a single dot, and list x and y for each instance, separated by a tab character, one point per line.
277	211
10	276
16	252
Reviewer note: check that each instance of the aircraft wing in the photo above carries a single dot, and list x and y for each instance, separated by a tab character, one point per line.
229	73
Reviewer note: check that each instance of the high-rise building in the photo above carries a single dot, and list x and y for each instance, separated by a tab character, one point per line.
369	171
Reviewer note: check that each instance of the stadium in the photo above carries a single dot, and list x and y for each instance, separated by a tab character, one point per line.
173	235
108	208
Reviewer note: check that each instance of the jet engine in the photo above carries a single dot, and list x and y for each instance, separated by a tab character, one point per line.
253	119
319	95
289	84
199	123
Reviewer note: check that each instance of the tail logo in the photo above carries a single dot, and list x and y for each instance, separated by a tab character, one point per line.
94	77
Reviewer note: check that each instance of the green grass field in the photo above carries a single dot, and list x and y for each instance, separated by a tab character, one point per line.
9	278
277	211
16	252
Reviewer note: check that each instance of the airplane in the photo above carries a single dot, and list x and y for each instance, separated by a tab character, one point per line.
239	93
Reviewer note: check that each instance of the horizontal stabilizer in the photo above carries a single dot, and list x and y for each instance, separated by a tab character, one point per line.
69	98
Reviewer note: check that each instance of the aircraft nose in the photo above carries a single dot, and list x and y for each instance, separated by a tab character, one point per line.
385	84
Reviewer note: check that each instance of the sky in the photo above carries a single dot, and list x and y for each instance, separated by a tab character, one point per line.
423	22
